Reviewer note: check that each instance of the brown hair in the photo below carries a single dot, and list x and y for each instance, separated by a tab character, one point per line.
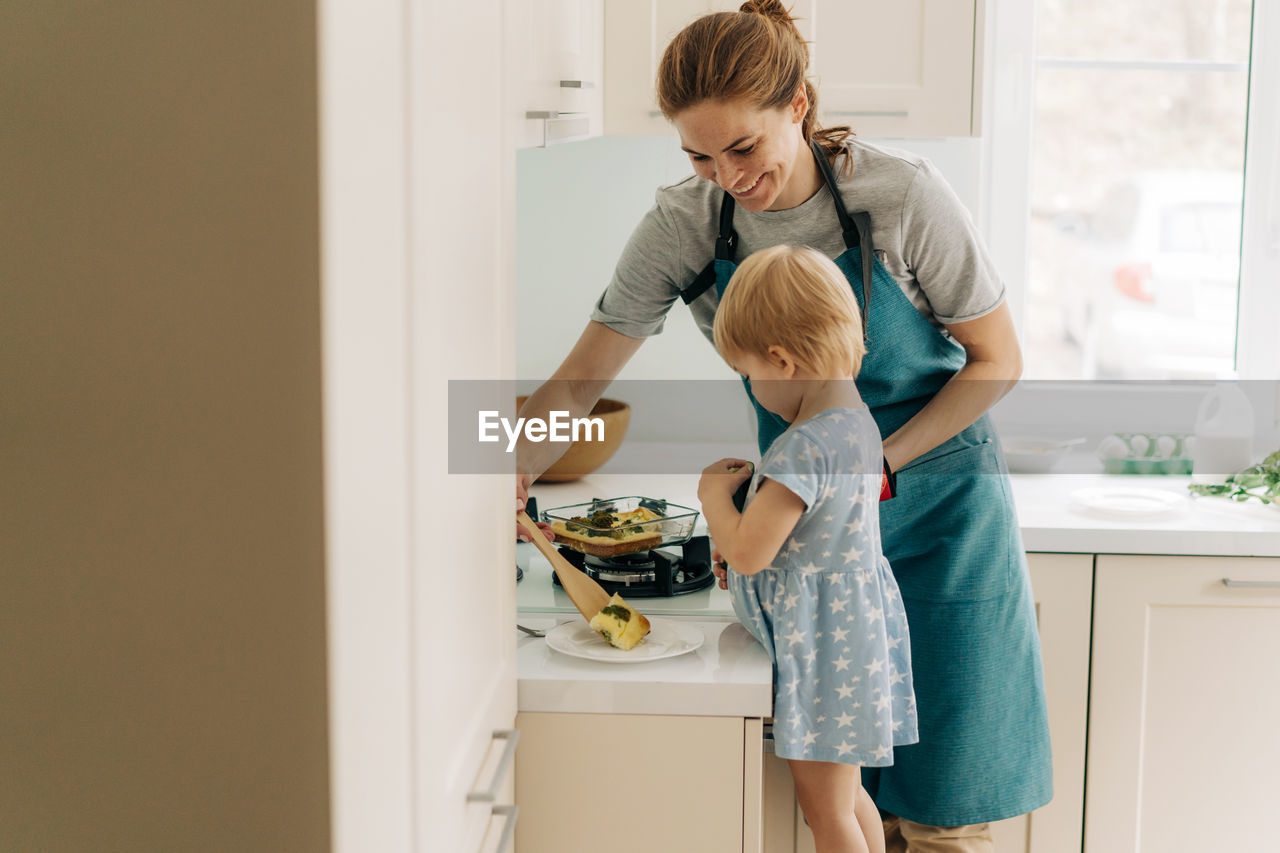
755	54
796	298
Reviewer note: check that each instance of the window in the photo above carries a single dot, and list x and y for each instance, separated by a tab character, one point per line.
1137	179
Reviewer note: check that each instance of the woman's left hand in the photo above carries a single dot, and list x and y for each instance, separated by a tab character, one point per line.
724	477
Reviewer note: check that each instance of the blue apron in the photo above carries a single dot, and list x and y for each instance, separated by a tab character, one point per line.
952	539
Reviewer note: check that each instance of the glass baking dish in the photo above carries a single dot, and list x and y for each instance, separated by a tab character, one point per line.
607	528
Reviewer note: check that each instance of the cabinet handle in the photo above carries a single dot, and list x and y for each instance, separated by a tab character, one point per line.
542	114
577	84
512	737
1235	584
864	113
511	813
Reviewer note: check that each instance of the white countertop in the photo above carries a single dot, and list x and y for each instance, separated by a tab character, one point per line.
729	675
1050	519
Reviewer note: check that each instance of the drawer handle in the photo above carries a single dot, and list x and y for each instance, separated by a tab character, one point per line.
577	84
511	813
1235	584
512	737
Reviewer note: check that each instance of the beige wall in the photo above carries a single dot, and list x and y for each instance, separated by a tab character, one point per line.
162	647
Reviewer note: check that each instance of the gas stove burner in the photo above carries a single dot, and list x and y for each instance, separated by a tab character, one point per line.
649	574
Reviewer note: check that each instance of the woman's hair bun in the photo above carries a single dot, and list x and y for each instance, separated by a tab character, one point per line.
769	8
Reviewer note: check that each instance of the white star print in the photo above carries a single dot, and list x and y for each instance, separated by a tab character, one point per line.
810	737
790	602
852	554
855	526
894	641
842	663
846	748
874	667
883	702
846	691
882	753
896	677
795	636
828	492
839	634
844	720
811	568
791	687
838	604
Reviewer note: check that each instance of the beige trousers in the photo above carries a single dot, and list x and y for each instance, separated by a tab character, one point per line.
904	836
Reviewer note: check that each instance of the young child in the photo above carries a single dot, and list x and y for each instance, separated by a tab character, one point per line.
804	563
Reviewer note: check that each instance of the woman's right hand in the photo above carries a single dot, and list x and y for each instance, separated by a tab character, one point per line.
719	569
523	481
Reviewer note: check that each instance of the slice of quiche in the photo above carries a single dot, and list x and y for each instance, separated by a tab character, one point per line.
620	624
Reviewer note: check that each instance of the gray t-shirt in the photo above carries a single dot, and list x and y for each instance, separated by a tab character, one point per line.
922	234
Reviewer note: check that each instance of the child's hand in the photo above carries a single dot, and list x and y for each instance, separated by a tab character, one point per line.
719	569
724	477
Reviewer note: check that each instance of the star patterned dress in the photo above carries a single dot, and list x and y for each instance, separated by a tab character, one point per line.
828	609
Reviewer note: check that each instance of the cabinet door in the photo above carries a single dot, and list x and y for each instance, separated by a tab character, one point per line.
1062	585
635	784
1184	747
419	677
555	68
903	69
636	34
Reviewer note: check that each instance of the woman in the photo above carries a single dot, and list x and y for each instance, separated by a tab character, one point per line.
941	351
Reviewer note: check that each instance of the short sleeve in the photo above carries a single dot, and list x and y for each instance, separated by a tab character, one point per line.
643	287
944	251
797	462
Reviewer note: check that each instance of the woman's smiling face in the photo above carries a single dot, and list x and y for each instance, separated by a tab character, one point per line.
754	154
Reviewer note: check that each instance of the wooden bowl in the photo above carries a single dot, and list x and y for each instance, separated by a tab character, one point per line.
583	457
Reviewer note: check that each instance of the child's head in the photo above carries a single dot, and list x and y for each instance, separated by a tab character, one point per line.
795	298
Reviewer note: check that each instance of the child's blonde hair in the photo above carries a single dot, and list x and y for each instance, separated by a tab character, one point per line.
795	298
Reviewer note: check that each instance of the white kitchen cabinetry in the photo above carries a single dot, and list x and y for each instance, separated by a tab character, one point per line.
636	32
555	74
1184	753
1062	586
907	69
419	680
638	783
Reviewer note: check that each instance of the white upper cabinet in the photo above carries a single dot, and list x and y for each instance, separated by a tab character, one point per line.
635	34
555	77
903	69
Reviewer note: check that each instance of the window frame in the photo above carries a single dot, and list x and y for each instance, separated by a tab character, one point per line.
1008	92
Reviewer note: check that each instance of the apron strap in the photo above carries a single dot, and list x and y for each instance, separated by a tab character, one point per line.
855	228
726	246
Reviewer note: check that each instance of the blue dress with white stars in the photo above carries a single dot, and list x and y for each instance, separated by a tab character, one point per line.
828	609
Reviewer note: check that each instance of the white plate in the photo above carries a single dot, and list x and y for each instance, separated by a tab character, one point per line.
665	640
1130	503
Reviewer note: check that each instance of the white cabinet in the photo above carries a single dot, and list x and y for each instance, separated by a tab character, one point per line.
397	231
555	73
1062	585
635	35
638	783
904	69
1184	745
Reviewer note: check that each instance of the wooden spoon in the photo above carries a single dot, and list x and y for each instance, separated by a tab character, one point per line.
587	595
